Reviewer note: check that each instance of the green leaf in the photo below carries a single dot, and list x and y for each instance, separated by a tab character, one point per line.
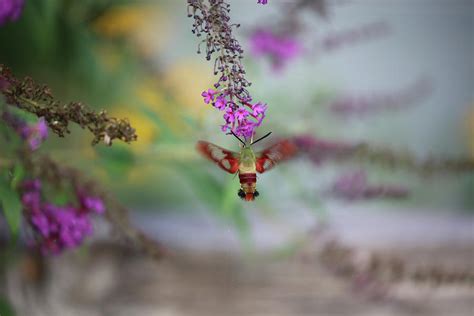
229	198
5	308
11	206
18	175
117	159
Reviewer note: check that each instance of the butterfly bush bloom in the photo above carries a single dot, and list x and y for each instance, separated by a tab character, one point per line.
355	186
57	228
10	10
279	49
211	19
34	134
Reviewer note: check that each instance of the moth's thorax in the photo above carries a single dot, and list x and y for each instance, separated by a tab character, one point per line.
247	161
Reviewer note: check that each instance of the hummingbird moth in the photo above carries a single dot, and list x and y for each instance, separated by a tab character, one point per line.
247	163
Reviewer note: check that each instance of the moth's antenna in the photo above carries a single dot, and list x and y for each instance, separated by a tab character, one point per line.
268	134
237	137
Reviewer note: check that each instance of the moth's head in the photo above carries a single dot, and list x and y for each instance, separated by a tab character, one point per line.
247	144
248	195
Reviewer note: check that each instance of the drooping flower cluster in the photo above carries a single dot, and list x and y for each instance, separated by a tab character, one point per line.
34	134
278	48
348	105
27	95
211	18
57	228
10	10
351	36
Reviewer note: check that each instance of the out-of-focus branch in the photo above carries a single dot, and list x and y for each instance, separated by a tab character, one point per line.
343	261
319	150
37	99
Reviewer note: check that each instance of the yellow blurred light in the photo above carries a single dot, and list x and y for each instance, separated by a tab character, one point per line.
186	80
152	96
144	24
146	130
470	130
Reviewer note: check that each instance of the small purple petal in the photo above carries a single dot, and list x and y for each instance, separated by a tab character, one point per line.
220	103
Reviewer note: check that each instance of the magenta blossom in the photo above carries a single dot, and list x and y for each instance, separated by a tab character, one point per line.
262	1
55	227
241	114
279	49
243	120
35	134
10	10
229	116
208	95
259	108
220	103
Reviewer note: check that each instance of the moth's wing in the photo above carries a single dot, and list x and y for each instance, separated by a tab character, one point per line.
268	158
225	159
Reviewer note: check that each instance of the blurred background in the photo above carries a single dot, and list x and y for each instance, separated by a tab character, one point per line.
394	74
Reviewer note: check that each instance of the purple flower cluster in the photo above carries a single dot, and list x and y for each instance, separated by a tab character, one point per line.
57	228
241	118
279	49
355	186
34	134
10	10
262	1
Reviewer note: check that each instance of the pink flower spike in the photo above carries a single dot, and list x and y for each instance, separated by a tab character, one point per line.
208	95
220	103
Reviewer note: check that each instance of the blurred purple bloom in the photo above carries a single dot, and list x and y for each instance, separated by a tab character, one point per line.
58	228
262	1
208	95
360	105
36	134
355	186
31	185
94	204
10	10
319	150
279	49
33	134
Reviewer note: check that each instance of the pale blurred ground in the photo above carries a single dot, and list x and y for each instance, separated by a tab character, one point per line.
206	274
